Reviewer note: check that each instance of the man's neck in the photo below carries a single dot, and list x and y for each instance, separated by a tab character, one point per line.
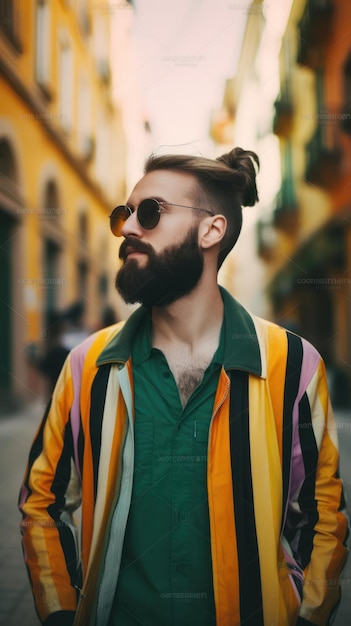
190	319
188	333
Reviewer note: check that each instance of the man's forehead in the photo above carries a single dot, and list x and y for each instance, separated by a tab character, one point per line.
164	184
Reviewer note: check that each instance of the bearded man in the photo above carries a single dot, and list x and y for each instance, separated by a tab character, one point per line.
198	438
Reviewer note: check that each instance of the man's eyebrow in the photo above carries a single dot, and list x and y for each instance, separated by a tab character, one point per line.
158	198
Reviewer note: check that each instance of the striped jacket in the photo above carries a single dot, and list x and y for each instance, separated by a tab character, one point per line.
278	529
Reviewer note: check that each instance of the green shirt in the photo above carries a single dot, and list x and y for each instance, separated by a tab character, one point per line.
166	570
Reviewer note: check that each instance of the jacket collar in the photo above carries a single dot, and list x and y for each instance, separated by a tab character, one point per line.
242	346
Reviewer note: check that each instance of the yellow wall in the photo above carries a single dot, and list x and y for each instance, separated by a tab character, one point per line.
30	123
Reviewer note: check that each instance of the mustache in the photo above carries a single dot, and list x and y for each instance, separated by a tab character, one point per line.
132	243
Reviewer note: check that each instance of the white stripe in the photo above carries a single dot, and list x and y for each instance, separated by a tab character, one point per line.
119	521
262	338
108	426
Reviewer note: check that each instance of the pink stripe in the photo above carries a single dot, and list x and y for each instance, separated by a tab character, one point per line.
78	355
23	496
310	362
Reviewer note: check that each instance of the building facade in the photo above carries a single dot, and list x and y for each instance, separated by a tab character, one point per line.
313	209
62	169
297	66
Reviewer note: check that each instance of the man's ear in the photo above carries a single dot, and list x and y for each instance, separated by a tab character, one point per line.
212	230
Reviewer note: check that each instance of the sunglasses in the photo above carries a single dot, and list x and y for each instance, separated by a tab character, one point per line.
148	214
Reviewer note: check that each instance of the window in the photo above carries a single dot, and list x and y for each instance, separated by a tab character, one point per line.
42	61
51	276
346	112
82	277
66	84
103	151
83	17
83	229
10	15
7	161
8	170
53	282
84	134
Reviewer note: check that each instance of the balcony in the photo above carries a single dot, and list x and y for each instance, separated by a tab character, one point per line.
285	215
345	119
266	238
283	117
315	28
324	154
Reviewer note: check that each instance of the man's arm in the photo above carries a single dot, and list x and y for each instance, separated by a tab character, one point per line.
49	495
321	543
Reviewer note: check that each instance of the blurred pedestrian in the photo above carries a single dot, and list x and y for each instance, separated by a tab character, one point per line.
108	317
198	437
75	329
55	352
51	357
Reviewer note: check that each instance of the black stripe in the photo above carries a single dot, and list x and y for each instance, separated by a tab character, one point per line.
306	500
291	388
97	406
80	444
35	452
251	613
59	488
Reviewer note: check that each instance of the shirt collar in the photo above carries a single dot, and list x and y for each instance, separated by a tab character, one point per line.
142	348
242	346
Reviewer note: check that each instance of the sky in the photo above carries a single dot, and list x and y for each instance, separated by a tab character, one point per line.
185	52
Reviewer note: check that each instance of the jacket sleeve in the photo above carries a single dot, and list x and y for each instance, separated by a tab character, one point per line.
49	495
320	542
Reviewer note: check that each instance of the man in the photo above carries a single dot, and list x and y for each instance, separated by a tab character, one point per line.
198	438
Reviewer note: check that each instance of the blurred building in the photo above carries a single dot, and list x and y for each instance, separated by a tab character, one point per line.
62	169
291	102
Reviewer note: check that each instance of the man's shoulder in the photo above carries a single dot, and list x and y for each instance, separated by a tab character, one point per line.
274	332
96	342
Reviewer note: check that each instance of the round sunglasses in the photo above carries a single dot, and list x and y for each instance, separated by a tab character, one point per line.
148	214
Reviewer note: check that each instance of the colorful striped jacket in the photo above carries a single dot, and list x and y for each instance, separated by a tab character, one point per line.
278	529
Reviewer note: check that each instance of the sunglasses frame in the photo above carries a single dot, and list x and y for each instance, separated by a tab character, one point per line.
160	208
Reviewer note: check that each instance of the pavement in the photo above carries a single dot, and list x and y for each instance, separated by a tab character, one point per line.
16	434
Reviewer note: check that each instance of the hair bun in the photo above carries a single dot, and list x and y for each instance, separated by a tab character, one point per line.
242	162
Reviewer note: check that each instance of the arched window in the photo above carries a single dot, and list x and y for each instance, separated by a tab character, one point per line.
83	229
8	171
7	161
53	282
10	16
51	208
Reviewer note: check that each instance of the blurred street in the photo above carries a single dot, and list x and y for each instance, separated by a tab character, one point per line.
16	433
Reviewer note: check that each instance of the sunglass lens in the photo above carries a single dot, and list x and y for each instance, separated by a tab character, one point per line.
117	218
148	214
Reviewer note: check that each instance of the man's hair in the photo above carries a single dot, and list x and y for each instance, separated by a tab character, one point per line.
224	185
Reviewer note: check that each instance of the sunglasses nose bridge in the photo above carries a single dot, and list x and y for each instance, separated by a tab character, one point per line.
130	223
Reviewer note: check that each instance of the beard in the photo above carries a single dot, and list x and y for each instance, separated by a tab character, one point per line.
166	277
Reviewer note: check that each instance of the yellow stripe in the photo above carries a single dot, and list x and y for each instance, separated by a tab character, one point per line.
221	508
42	532
329	553
277	355
267	488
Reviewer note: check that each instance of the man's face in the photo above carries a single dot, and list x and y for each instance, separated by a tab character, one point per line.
166	263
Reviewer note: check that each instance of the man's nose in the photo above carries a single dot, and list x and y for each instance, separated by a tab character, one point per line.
131	226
